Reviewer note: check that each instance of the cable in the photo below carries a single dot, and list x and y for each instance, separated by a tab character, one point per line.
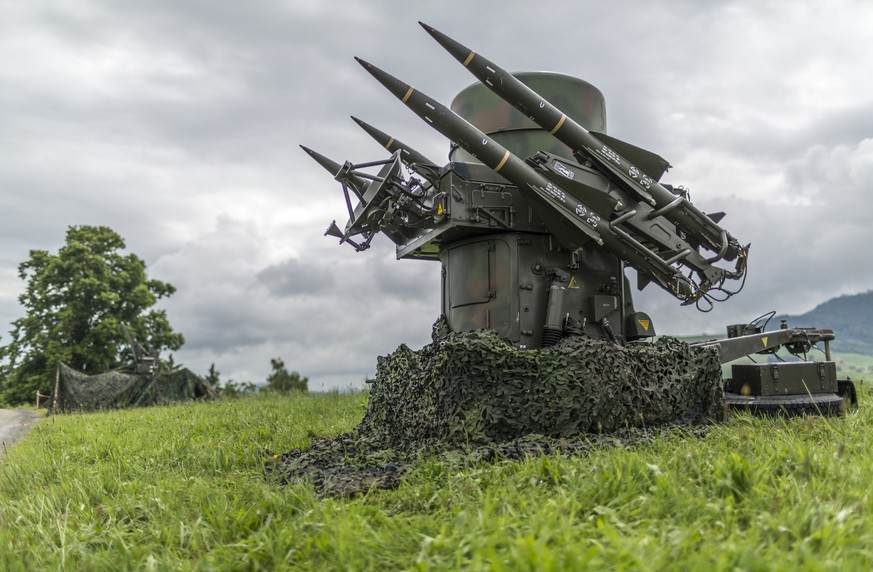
768	315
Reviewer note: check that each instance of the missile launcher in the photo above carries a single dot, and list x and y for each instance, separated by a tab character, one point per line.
539	213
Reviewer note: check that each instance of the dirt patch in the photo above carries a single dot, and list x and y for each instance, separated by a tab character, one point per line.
14	424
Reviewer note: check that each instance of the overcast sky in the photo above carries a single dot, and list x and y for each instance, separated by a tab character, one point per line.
177	124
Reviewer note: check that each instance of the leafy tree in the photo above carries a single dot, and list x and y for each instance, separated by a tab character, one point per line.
283	381
213	377
76	302
232	388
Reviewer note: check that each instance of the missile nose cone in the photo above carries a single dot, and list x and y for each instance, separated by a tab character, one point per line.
315	155
400	89
460	52
379	136
331	166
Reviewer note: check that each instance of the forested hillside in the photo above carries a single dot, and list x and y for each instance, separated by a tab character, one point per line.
850	317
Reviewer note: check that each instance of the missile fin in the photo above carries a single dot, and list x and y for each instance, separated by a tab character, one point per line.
643	279
333	230
651	163
597	200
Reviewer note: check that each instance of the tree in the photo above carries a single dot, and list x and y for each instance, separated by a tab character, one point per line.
283	381
76	302
231	388
213	377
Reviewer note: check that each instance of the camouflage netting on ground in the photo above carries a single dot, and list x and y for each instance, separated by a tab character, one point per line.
77	391
474	390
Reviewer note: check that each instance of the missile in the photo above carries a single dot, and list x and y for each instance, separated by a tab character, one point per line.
331	166
358	185
360	216
408	155
627	175
551	203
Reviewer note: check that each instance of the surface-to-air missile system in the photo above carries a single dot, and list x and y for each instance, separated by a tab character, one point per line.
537	215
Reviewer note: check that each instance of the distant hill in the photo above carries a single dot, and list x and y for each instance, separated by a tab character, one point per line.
850	317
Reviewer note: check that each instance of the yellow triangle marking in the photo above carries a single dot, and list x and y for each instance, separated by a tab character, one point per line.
439	209
572	283
764	339
644	324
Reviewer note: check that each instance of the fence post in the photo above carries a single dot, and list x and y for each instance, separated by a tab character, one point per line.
56	393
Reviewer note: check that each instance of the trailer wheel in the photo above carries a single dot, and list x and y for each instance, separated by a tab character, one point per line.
824	404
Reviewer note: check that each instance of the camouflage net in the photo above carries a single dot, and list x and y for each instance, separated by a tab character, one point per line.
77	391
475	391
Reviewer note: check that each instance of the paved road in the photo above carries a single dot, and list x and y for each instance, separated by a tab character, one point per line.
14	424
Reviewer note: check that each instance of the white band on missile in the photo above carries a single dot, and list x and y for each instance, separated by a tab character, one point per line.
558	126
502	162
408	93
388	144
469	59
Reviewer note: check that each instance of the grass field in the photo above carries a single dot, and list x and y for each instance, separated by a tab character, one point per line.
183	487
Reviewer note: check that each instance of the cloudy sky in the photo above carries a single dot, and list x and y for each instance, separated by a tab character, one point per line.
177	124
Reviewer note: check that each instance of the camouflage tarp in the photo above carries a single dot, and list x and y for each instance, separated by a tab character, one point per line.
474	391
76	391
475	387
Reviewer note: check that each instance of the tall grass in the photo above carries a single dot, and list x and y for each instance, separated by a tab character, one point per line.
183	488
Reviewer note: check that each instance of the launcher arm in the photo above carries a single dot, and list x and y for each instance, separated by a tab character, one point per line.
795	340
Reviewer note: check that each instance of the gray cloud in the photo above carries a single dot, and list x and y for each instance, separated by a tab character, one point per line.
327	321
294	277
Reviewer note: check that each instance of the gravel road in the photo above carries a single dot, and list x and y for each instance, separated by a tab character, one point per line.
14	424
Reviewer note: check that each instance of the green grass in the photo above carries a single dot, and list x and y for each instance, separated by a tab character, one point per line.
854	365
182	488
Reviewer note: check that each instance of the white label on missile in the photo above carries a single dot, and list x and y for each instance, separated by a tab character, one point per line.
588	215
563	170
556	192
593	219
610	154
634	172
646	182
